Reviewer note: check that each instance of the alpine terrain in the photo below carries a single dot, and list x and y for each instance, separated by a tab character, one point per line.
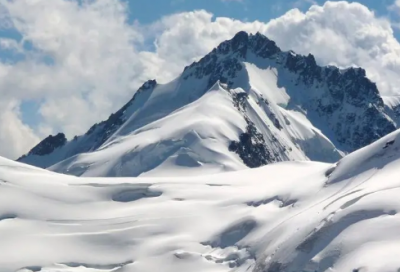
251	160
283	217
244	105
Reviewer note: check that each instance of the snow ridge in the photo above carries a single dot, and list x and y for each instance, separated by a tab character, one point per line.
339	98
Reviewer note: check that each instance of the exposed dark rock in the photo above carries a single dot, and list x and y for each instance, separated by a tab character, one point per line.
251	147
388	144
99	133
107	128
239	101
48	145
263	47
277	124
337	91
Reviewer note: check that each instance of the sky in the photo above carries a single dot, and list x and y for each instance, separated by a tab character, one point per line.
67	64
245	10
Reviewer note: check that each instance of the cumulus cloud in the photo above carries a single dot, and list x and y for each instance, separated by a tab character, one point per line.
78	59
183	38
82	60
338	33
343	34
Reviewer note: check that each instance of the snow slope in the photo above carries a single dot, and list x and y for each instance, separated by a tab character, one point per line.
195	138
289	216
172	144
244	105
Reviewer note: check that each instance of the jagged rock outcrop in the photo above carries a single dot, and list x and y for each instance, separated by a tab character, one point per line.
93	139
345	100
105	129
48	145
251	147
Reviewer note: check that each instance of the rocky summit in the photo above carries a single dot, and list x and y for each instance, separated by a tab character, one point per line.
245	104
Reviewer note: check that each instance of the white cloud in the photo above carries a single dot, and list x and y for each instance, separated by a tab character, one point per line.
98	60
343	34
15	137
395	6
185	37
91	54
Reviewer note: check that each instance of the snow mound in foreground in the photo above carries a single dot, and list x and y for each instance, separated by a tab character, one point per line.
288	216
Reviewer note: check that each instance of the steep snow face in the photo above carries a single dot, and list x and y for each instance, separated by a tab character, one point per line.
222	130
192	139
282	107
290	216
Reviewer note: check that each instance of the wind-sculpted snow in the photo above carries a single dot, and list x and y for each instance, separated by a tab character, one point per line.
289	216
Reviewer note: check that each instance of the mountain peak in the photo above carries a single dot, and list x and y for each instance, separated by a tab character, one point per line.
242	42
225	61
148	84
241	36
263	90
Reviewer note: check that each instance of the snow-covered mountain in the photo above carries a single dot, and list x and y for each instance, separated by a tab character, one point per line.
245	104
286	217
